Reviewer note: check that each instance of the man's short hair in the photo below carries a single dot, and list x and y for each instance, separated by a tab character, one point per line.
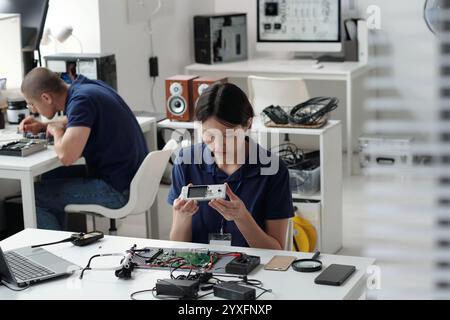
40	80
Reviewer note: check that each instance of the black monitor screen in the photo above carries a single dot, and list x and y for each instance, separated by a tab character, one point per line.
33	14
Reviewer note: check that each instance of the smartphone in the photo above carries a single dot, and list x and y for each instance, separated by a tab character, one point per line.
335	275
204	193
279	263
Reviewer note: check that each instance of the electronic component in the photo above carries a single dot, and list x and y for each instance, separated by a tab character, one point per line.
22	148
299	26
154	69
243	265
93	66
276	114
84	239
179	103
220	38
186	289
233	291
41	136
204	193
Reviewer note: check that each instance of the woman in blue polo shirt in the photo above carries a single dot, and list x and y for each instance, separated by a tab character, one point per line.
258	206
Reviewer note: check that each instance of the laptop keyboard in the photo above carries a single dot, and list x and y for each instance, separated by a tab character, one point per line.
24	269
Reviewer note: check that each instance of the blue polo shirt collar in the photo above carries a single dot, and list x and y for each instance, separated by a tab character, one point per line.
248	170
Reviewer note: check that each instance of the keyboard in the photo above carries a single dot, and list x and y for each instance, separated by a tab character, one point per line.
24	269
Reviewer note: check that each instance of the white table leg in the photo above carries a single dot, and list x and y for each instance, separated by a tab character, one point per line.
28	200
349	126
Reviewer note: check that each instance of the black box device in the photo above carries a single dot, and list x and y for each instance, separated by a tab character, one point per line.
234	291
335	275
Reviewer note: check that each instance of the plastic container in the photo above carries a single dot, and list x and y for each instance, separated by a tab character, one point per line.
305	182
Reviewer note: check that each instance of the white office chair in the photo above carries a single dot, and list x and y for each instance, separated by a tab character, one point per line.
143	190
284	92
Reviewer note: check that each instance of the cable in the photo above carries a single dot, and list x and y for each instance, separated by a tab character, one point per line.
14	289
152	93
52	243
312	111
139	292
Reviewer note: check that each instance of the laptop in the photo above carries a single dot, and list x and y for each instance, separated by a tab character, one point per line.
24	266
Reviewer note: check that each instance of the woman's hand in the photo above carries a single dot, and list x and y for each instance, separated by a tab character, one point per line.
185	208
232	210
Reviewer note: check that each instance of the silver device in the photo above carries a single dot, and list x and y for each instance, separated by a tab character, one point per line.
25	266
204	193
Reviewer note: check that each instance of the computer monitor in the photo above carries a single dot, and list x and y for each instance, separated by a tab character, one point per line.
33	14
304	26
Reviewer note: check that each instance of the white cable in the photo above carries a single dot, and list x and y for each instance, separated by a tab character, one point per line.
79	42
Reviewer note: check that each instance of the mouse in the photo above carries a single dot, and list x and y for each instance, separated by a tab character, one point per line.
318	66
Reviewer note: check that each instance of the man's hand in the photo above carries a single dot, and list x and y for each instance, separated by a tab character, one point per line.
55	130
30	124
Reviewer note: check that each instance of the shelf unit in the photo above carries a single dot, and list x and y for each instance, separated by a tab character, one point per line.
330	195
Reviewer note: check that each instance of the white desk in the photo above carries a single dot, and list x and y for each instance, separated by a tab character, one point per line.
102	285
27	168
328	222
339	71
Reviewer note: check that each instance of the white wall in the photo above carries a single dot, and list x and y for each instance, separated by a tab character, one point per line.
11	66
173	44
83	16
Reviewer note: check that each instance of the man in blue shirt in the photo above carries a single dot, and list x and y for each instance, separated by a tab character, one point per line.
98	126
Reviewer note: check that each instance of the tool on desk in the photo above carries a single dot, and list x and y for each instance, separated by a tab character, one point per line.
25	266
335	275
22	148
308	265
78	239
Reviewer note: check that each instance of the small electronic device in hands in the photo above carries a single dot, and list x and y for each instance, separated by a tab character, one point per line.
204	193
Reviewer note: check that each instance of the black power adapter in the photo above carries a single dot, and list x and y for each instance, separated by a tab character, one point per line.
233	291
185	289
154	70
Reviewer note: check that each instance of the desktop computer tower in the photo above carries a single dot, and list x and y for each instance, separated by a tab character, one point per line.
93	66
220	38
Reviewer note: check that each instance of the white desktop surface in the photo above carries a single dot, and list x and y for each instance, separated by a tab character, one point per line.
103	284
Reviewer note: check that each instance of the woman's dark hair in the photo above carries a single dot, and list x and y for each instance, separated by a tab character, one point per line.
227	103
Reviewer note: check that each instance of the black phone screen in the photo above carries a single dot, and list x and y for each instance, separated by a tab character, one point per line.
197	192
335	275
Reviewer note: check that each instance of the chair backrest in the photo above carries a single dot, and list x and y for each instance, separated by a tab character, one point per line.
264	91
145	184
